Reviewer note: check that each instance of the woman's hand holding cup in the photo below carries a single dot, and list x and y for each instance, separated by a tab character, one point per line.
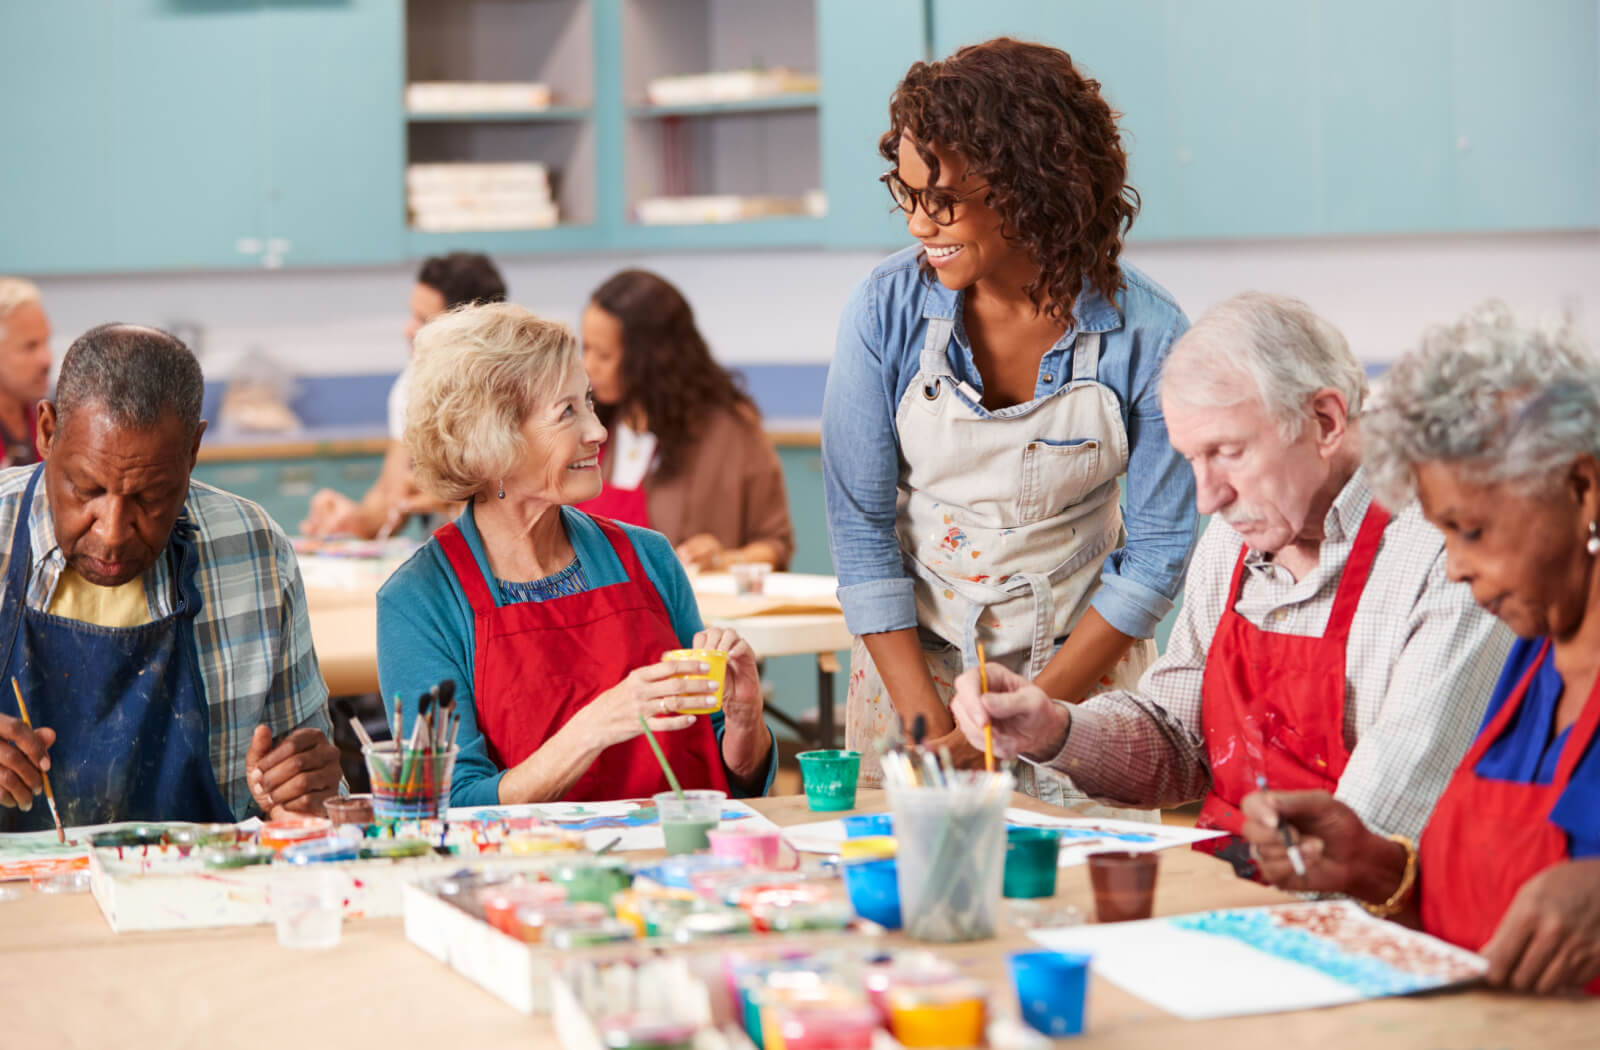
654	693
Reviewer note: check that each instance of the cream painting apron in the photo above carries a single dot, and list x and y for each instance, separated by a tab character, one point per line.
1005	519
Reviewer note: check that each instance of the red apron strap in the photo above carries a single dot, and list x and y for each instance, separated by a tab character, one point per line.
1356	570
461	560
1237	581
1508	710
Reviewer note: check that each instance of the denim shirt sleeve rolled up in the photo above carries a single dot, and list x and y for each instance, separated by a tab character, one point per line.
877	356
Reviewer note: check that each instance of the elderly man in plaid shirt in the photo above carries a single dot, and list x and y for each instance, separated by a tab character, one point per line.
1320	644
155	626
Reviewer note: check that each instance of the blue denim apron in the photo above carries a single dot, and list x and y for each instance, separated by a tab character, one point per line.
127	703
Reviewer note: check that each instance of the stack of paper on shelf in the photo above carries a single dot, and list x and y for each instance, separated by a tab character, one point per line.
735	86
449	198
450	96
727	207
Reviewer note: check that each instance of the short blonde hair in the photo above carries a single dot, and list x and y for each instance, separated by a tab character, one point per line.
15	292
477	373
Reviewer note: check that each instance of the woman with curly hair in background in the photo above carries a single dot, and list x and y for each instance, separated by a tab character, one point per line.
990	386
686	454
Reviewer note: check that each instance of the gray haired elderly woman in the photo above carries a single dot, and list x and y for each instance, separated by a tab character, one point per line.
1495	427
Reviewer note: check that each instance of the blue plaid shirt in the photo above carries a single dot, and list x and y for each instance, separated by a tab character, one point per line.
252	634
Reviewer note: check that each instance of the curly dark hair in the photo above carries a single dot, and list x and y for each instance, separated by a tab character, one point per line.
463	278
667	368
1039	132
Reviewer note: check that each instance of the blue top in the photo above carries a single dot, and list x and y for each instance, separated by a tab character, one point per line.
878	354
425	630
1527	752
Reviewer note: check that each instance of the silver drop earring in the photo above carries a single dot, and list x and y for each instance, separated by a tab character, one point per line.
1593	546
502	495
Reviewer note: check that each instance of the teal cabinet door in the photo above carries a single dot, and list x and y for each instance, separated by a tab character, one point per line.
332	91
58	215
188	132
1123	46
1387	147
1526	79
862	52
1258	118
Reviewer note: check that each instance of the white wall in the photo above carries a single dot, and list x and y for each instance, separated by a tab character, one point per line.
783	306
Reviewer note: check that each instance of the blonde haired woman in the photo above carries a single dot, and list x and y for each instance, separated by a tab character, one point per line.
551	622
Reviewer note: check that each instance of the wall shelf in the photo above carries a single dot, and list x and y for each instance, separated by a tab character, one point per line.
502	116
781	231
766	104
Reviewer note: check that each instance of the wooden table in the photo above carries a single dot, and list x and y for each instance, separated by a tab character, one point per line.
67	981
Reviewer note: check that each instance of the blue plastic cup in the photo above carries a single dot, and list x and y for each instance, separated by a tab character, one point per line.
868	824
874	887
1050	989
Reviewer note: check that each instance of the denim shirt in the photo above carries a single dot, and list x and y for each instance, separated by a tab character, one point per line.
879	346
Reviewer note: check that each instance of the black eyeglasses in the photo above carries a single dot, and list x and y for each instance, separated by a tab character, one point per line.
937	203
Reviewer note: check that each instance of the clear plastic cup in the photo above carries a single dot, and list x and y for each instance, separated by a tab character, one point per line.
308	906
407	784
951	849
685	821
749	577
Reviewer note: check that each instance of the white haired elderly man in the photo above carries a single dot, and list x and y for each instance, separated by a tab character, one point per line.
24	368
1320	644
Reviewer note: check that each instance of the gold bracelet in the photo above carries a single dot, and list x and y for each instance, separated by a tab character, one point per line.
1408	879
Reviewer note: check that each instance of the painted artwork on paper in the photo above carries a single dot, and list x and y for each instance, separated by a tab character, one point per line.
1080	836
1264	960
633	821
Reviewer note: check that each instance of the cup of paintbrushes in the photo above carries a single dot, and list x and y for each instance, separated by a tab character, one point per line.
951	840
409	783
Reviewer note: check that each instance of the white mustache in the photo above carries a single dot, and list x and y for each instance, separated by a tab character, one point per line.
1242	517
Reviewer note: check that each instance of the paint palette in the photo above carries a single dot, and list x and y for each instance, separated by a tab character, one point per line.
445	918
167	883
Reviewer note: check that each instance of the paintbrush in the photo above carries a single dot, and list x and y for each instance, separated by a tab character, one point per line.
446	707
661	757
930	765
49	796
361	733
1296	860
988	730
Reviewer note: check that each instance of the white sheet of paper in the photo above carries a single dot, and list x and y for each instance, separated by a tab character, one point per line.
1198	975
1080	836
635	837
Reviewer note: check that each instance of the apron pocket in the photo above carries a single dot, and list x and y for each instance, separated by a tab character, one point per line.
1056	475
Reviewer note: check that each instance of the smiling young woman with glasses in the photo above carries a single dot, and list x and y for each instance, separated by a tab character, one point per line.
991	385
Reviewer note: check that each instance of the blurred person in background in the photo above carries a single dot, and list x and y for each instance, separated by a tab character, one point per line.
444	283
24	369
686	454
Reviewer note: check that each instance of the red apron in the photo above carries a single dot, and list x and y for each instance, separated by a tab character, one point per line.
1272	705
537	664
1482	826
626	505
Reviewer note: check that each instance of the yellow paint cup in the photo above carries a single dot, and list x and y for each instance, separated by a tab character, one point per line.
944	1015
717	660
